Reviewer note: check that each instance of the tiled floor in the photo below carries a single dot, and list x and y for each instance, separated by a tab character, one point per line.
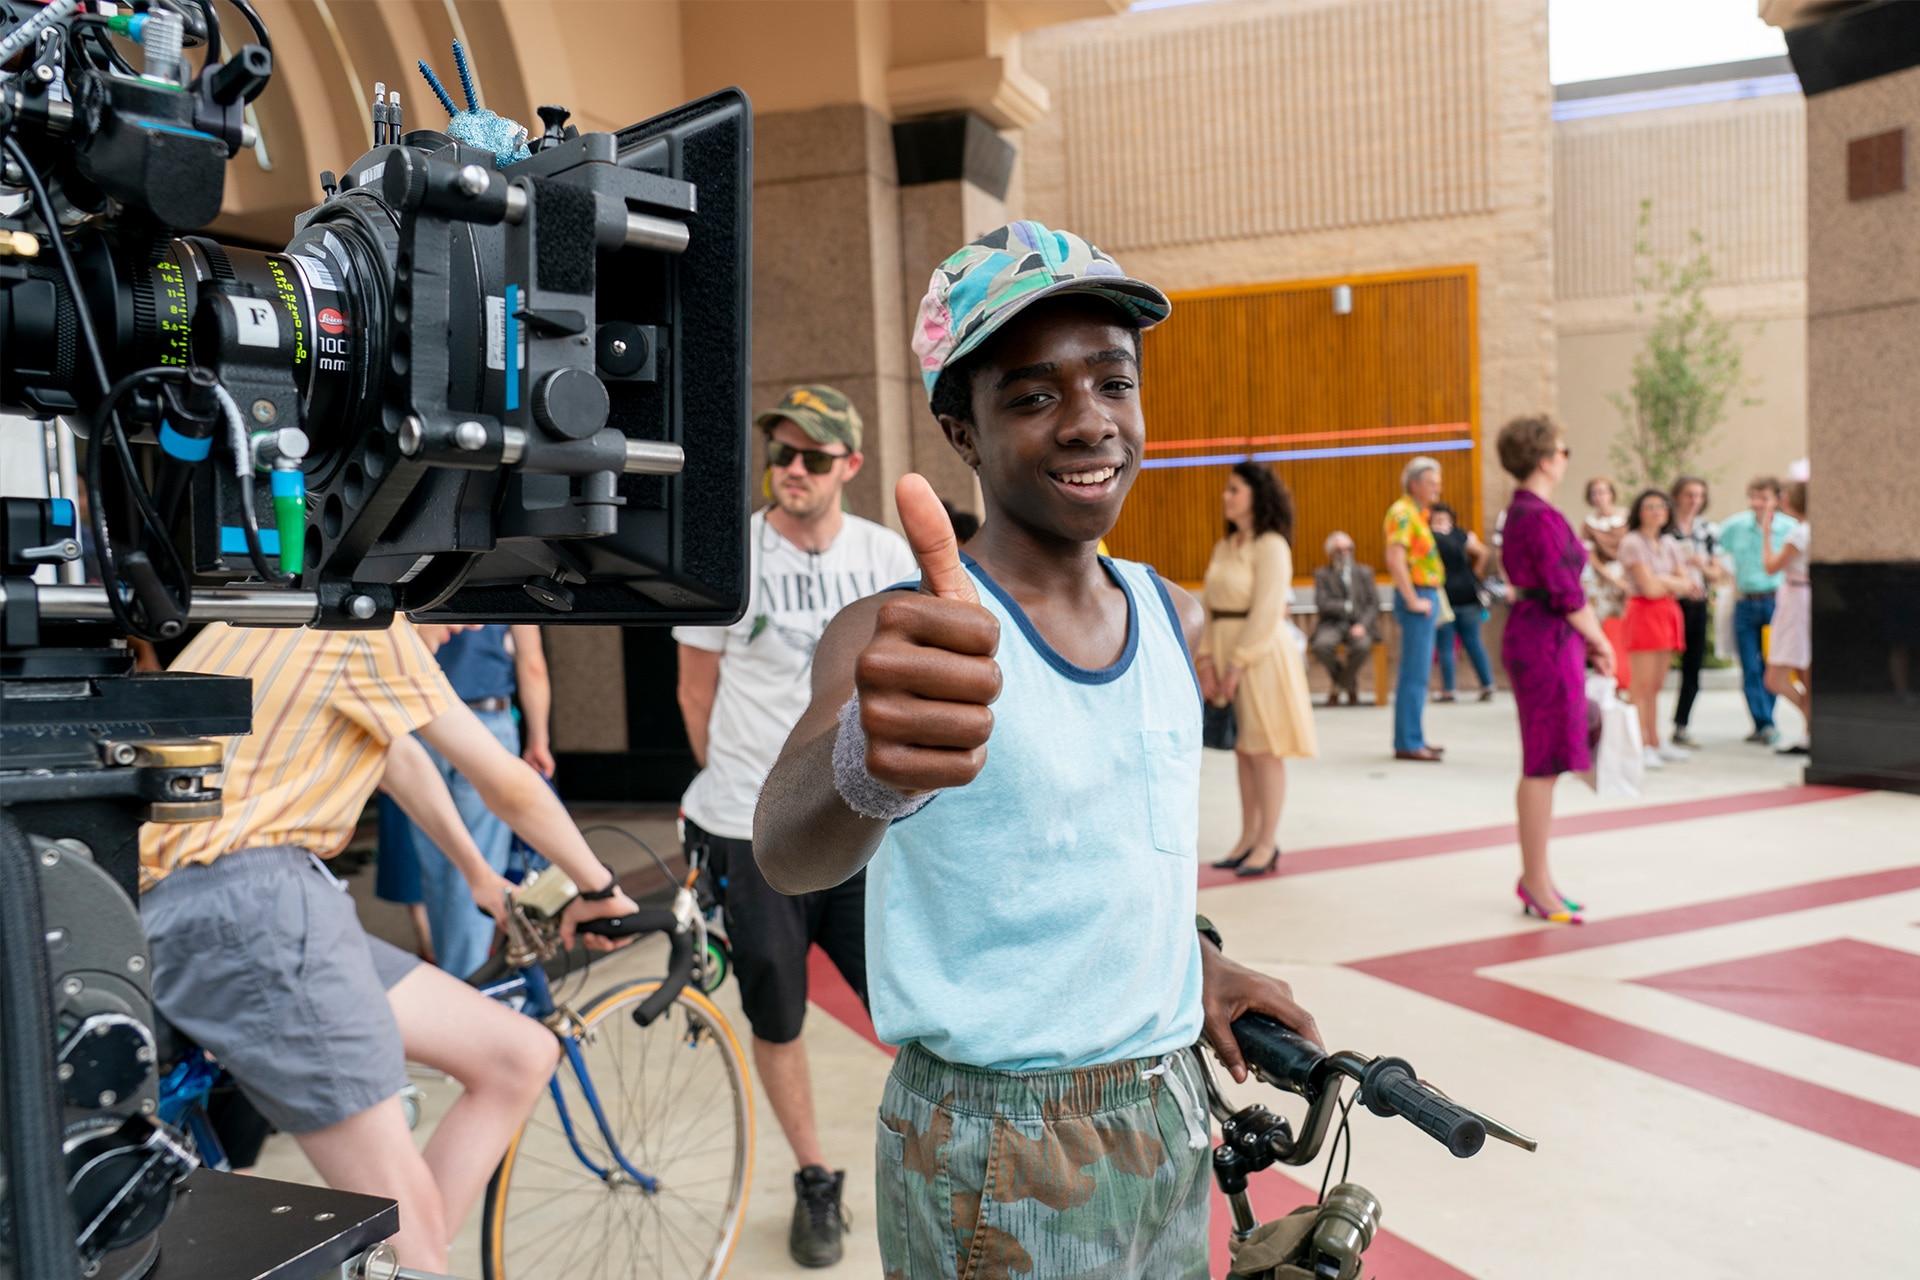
1722	1068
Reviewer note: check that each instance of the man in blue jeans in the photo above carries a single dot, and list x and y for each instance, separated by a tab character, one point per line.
1413	562
486	666
1740	537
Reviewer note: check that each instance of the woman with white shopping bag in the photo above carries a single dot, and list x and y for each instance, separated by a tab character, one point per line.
1550	637
1613	728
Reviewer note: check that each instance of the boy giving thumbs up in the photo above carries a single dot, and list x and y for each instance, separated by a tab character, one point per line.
1014	753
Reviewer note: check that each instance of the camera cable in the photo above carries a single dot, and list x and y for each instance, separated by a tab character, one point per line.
252	16
243	470
109	418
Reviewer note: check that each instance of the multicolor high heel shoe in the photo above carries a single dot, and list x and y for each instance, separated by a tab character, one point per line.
1568	914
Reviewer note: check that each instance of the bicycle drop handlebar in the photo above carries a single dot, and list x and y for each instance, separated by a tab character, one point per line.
679	966
1388	1087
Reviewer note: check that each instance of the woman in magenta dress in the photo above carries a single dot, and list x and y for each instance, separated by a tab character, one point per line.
1551	636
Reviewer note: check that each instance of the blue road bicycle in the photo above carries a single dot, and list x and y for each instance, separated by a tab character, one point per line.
637	1162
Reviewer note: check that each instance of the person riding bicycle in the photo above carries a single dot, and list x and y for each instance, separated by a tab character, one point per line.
1013	752
259	957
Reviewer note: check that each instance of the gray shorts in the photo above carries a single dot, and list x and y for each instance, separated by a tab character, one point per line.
261	960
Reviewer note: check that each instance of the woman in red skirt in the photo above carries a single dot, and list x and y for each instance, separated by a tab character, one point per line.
1657	578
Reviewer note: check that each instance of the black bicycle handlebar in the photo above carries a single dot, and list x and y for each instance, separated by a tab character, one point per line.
634	924
679	966
1389	1088
1287	1059
679	973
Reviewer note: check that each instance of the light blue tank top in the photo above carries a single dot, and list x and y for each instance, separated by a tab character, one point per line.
1041	917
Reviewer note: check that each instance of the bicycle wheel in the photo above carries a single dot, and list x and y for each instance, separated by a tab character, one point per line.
676	1096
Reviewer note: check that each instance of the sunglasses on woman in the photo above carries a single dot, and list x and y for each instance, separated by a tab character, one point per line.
817	461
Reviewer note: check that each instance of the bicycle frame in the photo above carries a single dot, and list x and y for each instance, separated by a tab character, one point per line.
531	982
183	1104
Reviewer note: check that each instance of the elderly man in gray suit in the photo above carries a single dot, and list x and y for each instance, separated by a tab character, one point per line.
1348	608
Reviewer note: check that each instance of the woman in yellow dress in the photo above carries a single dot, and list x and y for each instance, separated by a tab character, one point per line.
1250	656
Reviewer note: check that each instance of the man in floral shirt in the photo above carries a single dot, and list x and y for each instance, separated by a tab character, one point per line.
1414	563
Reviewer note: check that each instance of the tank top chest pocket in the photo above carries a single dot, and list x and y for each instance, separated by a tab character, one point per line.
1172	759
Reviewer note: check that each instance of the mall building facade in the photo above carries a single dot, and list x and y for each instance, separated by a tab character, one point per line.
1384	232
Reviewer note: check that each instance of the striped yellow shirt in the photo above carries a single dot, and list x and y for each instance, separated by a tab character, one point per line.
325	706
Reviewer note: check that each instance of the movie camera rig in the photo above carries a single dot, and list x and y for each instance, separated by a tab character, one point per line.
491	377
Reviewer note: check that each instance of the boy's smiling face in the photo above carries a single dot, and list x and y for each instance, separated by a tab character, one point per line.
1058	432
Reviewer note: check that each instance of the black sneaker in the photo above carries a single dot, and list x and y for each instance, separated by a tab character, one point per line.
819	1219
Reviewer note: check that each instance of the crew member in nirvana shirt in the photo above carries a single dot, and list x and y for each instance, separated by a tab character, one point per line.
742	688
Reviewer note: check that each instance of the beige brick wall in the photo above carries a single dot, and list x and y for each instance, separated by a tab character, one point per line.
1734	171
1253	142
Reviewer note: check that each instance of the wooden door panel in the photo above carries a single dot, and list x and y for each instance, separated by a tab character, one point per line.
1335	404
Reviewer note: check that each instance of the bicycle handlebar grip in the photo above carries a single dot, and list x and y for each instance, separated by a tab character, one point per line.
1286	1058
1389	1088
679	972
634	924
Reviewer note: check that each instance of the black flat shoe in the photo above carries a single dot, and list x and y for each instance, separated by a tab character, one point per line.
1228	864
1270	867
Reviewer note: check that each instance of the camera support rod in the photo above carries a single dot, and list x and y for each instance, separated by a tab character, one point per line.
642	231
262	607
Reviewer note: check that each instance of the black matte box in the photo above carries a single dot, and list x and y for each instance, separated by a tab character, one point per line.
679	551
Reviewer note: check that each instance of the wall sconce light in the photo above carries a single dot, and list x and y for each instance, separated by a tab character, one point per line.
1343	299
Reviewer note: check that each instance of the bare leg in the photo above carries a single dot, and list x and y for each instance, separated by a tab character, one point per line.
1534	802
1251	818
1270	782
789	1084
422	932
1780	682
373	1153
502	1058
1649	673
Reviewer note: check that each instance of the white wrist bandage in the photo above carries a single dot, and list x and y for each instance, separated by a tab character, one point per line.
865	794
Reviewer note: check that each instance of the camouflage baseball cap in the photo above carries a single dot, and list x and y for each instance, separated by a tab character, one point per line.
821	412
1002	273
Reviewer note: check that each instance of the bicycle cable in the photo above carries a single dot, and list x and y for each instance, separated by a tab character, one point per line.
665	871
1344	1131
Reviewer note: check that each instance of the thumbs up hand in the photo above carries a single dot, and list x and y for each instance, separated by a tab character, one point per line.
927	678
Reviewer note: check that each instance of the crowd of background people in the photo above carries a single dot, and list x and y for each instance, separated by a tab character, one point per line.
1636	585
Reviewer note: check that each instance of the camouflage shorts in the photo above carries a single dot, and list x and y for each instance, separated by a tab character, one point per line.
990	1175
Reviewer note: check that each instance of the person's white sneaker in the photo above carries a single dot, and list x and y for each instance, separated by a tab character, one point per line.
1671	752
1652	757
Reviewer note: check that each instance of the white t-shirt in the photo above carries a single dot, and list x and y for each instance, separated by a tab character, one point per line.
766	658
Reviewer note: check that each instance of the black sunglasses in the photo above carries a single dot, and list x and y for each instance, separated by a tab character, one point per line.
817	461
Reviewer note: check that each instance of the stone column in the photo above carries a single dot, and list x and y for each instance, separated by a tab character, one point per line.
826	279
1860	70
954	170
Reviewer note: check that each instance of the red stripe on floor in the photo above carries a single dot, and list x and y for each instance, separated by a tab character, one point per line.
1847	991
1339	856
1451	973
826	988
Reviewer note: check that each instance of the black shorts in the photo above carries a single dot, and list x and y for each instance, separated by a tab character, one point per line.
771	932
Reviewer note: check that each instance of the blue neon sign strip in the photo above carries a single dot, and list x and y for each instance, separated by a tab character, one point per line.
1308	455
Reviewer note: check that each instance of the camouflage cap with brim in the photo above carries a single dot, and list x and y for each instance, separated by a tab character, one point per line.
823	413
987	283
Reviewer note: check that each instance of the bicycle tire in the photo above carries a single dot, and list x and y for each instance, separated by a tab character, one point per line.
518	1236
